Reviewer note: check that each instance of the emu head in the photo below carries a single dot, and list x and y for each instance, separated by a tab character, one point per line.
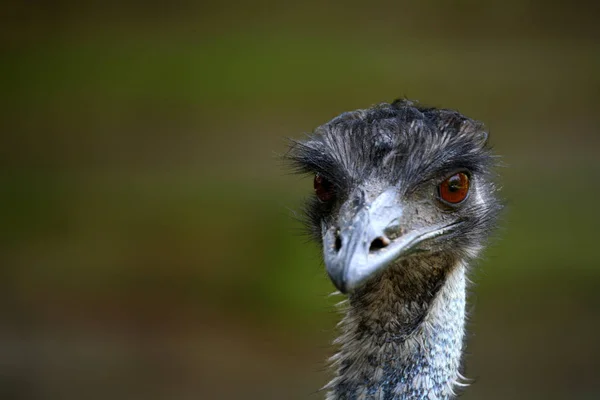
393	181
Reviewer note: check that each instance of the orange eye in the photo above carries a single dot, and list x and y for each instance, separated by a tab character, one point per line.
455	188
323	188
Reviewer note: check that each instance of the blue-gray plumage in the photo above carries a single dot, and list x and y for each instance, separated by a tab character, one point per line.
404	201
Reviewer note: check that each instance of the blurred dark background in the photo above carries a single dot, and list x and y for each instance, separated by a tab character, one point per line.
147	244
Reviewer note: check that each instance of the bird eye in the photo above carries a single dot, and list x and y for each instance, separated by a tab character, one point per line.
455	188
323	188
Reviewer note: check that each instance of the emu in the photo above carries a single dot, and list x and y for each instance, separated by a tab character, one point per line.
404	202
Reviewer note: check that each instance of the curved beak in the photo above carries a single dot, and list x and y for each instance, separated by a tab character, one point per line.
369	238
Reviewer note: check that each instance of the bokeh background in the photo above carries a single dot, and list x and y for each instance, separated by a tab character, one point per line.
147	242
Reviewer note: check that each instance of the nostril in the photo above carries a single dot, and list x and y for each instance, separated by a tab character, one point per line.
338	241
379	243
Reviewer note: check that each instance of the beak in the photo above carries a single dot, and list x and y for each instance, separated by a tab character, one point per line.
369	238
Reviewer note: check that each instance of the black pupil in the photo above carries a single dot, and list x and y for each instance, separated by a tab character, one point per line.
454	184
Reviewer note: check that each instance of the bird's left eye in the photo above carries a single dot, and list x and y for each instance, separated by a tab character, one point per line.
455	188
323	188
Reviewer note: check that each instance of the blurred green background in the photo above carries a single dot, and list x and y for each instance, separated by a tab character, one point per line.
147	243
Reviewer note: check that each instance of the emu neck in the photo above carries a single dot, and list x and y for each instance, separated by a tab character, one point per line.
402	336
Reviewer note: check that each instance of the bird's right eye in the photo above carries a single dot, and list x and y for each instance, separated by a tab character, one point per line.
323	188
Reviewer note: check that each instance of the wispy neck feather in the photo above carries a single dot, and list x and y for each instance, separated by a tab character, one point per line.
402	336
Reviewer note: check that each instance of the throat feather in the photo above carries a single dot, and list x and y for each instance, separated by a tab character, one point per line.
402	335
